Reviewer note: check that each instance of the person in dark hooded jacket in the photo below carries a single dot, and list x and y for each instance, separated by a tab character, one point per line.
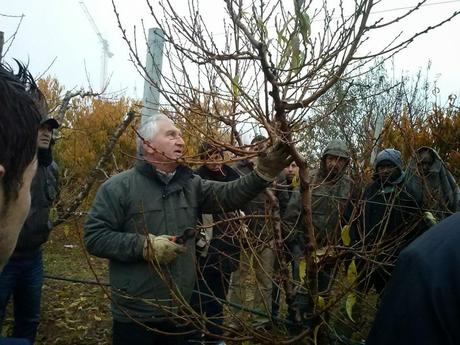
391	219
220	257
428	173
22	277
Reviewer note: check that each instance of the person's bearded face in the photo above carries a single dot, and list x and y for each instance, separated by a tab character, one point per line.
387	172
425	162
334	165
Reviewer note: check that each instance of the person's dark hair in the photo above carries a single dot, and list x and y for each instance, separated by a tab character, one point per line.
207	150
22	106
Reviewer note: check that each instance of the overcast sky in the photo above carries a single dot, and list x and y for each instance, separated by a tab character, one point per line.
59	29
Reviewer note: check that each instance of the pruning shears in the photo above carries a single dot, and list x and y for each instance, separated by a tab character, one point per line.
188	234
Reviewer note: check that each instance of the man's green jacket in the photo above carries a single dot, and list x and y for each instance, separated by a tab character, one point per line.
140	201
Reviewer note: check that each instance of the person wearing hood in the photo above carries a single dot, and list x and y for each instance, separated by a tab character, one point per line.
332	191
220	255
391	219
22	277
429	174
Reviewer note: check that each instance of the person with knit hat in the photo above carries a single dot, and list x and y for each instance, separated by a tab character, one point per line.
331	196
391	219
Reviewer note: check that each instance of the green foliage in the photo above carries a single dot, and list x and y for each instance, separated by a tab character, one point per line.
235	86
303	21
346	235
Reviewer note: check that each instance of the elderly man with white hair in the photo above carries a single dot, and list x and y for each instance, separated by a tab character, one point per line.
142	220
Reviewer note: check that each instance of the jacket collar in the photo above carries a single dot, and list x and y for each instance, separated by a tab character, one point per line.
182	174
45	157
228	173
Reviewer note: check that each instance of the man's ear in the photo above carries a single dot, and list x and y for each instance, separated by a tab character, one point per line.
147	147
2	171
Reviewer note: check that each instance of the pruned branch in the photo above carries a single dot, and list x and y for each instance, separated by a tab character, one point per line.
65	102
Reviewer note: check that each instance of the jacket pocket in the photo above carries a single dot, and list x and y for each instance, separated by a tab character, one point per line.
187	210
51	192
146	217
119	279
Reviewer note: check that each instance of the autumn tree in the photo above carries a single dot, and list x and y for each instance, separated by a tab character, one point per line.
439	128
92	143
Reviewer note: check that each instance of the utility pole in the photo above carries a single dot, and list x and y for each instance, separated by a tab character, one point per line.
152	82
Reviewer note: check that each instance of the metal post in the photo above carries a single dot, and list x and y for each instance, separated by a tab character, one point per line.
152	83
379	123
378	131
2	40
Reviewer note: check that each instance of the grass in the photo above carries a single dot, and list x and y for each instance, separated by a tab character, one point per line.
71	313
76	313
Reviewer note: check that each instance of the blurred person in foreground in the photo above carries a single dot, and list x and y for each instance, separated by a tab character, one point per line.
421	303
20	116
22	106
22	277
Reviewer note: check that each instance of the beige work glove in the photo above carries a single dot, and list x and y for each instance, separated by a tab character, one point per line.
161	249
270	163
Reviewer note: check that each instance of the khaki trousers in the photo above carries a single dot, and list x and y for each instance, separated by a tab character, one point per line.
253	278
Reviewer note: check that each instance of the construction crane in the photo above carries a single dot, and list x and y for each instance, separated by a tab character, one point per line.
105	53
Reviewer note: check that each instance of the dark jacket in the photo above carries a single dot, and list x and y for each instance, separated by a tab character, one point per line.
43	192
140	201
223	252
421	304
439	188
282	183
258	206
391	215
